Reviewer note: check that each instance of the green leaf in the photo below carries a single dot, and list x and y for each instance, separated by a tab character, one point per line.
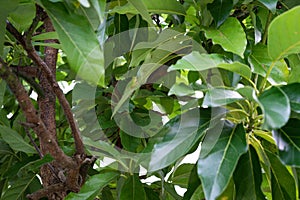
35	165
45	36
2	90
220	10
177	137
181	89
194	188
282	182
260	63
142	9
153	6
294	63
276	108
270	4
84	55
199	62
181	175
218	97
93	186
132	189
248	177
18	187
219	156
15	141
284	38
293	93
230	36
10	5
288	143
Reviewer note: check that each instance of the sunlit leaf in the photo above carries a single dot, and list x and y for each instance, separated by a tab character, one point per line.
84	55
220	152
217	97
294	62
288	143
276	108
15	141
230	36
284	38
93	186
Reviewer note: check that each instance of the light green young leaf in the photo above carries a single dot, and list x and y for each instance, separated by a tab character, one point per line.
284	34
93	186
230	36
15	141
84	55
45	36
276	108
219	156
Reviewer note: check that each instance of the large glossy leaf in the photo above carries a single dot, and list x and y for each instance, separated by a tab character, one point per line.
199	62
154	6
276	108
219	156
178	137
220	10
93	186
293	93
218	97
15	141
284	38
18	187
288	143
230	36
282	182
132	189
260	63
84	55
248	177
270	4
10	5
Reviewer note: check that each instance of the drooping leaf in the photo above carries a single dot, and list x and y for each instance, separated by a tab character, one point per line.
282	182
154	6
293	93
10	5
248	177
288	143
230	35
18	187
93	186
15	141
220	152
217	97
270	4
220	10
84	55
199	62
260	63
276	108
132	189
284	38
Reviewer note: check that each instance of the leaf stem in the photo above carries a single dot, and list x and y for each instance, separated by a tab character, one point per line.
265	36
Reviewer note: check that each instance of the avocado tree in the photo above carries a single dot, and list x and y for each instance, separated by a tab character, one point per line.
99	96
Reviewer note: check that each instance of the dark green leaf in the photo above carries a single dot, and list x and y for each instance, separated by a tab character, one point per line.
194	188
220	10
35	165
282	182
84	55
142	9
270	4
284	37
288	143
276	108
248	177
132	189
2	90
182	175
293	93
230	35
93	186
15	141
221	149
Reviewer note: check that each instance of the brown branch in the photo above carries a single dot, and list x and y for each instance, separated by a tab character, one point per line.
32	117
29	71
58	92
59	187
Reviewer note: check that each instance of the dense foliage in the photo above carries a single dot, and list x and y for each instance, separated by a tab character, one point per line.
149	82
